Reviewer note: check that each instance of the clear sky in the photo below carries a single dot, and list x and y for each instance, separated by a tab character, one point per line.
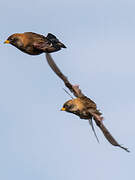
38	141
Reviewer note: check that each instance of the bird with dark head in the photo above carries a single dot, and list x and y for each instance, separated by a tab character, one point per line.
35	44
82	106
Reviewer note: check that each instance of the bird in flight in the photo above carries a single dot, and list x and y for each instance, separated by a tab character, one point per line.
35	44
82	106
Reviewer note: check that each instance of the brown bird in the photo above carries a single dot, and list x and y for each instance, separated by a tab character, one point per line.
82	106
35	44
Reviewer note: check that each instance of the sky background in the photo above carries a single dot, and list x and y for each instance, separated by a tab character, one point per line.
38	141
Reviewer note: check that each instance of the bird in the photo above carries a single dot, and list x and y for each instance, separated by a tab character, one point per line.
82	106
35	44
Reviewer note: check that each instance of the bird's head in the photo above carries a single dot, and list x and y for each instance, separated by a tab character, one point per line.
70	106
15	40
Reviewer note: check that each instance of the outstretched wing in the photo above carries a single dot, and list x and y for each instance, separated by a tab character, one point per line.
74	89
107	134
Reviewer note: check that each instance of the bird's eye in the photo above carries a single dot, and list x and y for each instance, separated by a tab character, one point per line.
70	106
66	106
13	40
10	39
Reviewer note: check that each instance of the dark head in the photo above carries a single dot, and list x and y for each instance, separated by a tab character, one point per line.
15	40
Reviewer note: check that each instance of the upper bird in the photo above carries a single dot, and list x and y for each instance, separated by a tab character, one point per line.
83	106
35	44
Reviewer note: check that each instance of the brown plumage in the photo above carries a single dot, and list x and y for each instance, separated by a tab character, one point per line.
82	106
35	44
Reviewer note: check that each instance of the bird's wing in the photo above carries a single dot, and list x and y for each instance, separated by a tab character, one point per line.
48	44
74	89
38	41
54	40
106	133
42	45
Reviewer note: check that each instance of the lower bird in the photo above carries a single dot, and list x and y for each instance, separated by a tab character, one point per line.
83	106
35	44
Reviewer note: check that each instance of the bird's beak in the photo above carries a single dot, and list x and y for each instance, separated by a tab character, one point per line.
63	109
7	42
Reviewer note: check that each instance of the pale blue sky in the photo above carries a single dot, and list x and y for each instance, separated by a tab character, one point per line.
37	140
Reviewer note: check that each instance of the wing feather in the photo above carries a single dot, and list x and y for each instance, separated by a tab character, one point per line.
107	134
74	89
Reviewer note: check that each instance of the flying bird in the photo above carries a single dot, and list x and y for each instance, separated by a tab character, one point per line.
35	44
83	106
